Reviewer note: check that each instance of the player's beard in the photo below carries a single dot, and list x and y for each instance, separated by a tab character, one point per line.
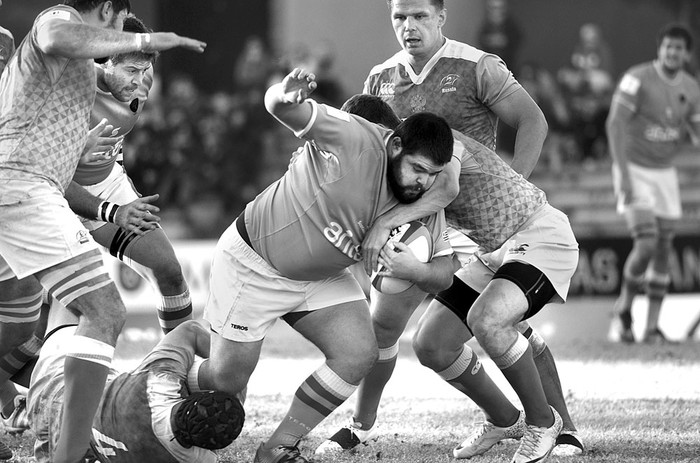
403	194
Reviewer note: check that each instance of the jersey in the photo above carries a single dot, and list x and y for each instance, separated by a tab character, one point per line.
663	110
7	47
310	223
123	116
494	200
459	83
45	103
133	405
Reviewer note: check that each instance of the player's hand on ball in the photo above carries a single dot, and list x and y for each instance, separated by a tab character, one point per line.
298	85
139	215
397	260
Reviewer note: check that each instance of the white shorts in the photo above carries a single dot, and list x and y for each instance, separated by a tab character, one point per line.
247	295
38	229
654	189
116	188
545	241
462	245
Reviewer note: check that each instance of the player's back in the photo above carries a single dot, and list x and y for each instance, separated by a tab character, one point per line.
494	200
134	403
45	103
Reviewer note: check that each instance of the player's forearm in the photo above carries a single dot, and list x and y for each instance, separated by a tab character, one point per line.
529	139
437	274
81	201
285	109
82	41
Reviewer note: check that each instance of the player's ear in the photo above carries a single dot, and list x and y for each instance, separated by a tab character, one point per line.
106	11
442	17
395	147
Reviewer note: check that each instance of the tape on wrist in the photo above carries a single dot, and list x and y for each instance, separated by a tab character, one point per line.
138	40
107	211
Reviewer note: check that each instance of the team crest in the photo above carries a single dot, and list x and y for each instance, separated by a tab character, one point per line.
448	83
417	103
520	249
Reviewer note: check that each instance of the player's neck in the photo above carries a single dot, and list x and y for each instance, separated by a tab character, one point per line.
665	71
418	62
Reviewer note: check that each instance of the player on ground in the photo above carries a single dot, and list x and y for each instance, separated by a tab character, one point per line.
287	255
44	116
518	232
123	85
654	108
472	90
7	46
146	415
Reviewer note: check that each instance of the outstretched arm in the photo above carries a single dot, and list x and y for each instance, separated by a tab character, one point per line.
286	101
74	40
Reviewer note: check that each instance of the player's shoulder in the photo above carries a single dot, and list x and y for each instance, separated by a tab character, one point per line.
463	51
641	70
390	63
58	12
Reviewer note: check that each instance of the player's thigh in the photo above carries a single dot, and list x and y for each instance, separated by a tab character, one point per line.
152	249
439	329
343	332
501	304
233	361
391	312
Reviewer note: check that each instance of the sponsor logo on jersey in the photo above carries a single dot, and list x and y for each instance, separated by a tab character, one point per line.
656	133
448	83
134	105
417	103
386	89
239	327
342	239
520	249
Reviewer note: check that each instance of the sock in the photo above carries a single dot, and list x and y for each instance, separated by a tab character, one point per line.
174	310
549	376
316	398
467	375
370	391
657	286
519	368
86	368
193	375
13	362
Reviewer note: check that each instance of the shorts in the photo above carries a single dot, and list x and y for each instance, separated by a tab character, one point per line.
116	188
37	228
545	241
247	295
654	189
462	245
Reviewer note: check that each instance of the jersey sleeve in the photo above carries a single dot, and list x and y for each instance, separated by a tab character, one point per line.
494	80
54	64
628	91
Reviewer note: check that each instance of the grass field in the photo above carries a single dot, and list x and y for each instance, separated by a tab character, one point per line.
631	403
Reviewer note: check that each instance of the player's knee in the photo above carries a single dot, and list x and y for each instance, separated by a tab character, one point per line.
103	309
431	352
646	245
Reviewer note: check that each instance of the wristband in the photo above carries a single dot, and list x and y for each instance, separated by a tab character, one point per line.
107	211
142	41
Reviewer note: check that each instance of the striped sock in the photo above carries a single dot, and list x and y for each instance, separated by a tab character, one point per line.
316	398
174	310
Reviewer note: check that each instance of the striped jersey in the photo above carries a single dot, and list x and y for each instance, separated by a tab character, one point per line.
123	116
45	103
459	83
7	47
310	223
663	108
494	200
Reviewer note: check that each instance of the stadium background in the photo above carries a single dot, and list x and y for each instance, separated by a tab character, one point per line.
357	34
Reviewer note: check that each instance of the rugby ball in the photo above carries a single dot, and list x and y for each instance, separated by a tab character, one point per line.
418	238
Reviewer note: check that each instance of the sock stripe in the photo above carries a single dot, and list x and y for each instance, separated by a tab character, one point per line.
322	391
459	366
316	405
171	315
513	354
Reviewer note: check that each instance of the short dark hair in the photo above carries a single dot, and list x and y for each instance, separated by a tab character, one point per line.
428	133
372	108
439	4
675	31
89	5
207	419
135	25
